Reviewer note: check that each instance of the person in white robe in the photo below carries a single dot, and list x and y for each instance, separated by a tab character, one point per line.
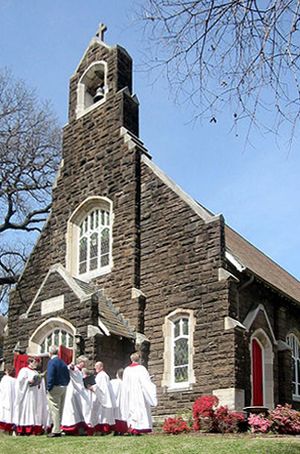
31	412
93	407
43	411
76	400
137	397
120	427
102	417
7	399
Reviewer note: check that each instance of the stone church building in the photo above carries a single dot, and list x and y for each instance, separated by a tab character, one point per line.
127	260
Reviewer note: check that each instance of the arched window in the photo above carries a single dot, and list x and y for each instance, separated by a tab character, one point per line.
54	331
181	350
57	337
94	241
89	239
92	88
294	343
178	332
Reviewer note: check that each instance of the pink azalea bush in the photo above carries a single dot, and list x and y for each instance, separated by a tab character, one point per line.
285	420
258	423
282	420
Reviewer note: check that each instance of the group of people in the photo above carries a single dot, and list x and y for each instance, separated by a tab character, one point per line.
72	400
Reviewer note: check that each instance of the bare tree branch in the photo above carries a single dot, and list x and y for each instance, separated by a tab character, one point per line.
240	53
30	146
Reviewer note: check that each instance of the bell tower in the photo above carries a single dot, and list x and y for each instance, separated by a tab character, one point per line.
101	170
103	79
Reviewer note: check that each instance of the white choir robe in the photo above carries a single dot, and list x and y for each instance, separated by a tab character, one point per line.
104	406
31	412
137	397
120	425
76	403
7	399
43	409
116	384
91	412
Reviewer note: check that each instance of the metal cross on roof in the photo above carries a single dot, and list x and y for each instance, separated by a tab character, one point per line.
101	30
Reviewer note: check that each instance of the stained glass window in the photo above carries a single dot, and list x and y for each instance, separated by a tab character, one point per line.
64	338
181	350
82	255
295	346
57	337
94	241
94	250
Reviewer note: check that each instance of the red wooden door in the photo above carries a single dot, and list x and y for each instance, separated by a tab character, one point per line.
257	374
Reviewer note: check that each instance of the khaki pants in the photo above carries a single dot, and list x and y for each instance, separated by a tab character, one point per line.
56	401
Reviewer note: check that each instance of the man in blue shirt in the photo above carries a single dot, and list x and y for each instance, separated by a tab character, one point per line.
58	377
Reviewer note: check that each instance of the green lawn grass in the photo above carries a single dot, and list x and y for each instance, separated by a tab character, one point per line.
151	444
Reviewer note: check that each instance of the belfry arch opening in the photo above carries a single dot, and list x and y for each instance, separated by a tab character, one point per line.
92	87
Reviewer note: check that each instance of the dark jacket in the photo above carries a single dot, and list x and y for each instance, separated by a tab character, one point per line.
57	373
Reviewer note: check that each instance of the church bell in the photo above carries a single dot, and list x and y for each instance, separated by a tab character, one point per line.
99	94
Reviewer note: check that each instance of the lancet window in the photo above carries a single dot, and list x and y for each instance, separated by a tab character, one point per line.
181	350
294	343
178	332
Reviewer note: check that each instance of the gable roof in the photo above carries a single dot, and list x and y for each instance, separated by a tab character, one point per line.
261	265
95	40
242	254
70	281
110	320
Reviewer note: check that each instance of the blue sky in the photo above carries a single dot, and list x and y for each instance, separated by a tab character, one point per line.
256	189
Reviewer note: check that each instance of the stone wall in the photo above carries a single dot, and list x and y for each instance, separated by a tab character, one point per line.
180	257
96	162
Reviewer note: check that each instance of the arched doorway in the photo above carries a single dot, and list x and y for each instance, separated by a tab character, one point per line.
262	370
257	374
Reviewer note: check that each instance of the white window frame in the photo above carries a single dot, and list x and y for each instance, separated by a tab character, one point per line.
73	237
86	232
81	108
181	335
46	328
169	366
293	341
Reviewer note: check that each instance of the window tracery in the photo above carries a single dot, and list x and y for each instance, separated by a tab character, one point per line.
89	239
294	343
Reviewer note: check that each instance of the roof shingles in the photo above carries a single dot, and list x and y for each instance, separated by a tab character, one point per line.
261	265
